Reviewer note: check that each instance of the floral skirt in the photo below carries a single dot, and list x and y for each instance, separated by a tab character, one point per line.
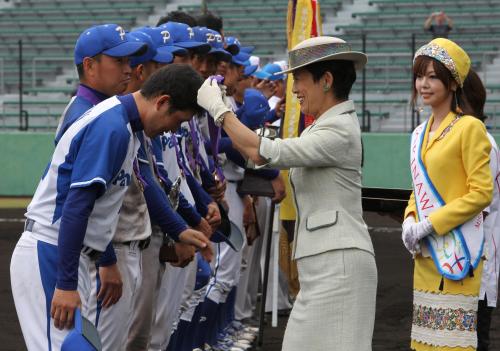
444	319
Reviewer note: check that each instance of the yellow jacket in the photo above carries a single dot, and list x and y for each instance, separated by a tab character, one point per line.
458	165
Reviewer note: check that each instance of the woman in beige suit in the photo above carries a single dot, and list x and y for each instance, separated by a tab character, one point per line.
338	277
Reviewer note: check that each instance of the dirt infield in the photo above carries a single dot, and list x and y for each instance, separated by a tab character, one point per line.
392	326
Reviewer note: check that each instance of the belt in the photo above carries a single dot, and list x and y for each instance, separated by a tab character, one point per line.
141	244
93	254
28	225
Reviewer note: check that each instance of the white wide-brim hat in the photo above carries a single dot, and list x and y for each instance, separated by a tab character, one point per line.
323	49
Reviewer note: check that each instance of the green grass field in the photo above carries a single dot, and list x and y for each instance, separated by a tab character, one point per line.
14	202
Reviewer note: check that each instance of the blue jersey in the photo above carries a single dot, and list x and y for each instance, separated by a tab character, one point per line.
98	148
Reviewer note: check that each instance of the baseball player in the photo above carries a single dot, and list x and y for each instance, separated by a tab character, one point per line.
153	270
71	219
102	62
133	233
167	311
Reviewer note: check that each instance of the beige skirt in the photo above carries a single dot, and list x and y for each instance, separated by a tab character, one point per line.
335	308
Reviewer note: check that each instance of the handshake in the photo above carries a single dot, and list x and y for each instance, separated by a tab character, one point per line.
212	97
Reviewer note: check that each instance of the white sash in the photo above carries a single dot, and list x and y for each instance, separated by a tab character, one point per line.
456	253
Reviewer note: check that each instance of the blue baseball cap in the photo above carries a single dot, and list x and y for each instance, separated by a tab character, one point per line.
272	69
163	41
203	272
254	109
253	65
233	45
107	39
183	35
241	59
247	49
228	232
83	337
214	39
151	54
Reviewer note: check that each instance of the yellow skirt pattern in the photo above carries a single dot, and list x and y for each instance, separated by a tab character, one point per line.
444	320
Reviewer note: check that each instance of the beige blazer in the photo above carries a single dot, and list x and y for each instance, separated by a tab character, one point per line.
325	173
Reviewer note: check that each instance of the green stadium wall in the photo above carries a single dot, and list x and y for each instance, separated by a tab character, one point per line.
25	155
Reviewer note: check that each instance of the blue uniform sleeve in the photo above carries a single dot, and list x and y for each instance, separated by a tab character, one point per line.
201	198
207	178
188	212
224	143
76	211
99	151
108	258
159	207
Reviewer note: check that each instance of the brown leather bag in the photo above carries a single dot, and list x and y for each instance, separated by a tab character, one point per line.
167	252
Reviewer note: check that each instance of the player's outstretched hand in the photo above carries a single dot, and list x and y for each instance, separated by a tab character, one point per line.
64	303
207	253
194	237
217	192
111	285
210	97
205	228
213	215
185	254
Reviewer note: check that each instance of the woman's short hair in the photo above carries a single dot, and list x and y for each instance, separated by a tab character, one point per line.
343	72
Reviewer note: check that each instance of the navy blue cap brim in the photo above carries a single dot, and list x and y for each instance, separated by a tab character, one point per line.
163	56
127	48
249	70
175	50
238	62
233	49
195	45
221	54
235	238
274	77
247	49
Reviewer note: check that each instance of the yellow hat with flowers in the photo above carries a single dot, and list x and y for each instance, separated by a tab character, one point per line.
452	56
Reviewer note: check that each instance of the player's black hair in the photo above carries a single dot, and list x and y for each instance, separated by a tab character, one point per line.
211	21
181	82
343	72
178	16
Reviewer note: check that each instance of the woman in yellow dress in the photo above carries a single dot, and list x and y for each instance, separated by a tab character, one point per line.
452	184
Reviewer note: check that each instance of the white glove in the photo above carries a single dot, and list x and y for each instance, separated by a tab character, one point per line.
210	97
414	232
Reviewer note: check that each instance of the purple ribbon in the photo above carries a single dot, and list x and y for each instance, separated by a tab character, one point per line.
138	174
155	163
180	157
215	135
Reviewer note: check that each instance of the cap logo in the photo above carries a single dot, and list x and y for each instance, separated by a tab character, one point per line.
237	42
210	37
166	36
218	38
120	30
191	33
